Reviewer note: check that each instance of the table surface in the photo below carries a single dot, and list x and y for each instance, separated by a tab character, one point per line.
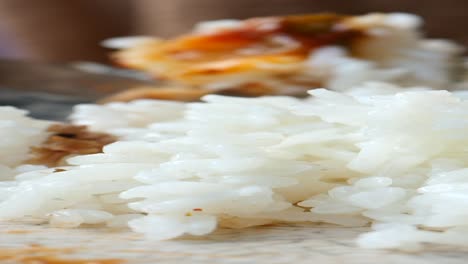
20	243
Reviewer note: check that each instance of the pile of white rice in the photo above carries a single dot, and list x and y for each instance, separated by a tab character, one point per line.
367	153
377	154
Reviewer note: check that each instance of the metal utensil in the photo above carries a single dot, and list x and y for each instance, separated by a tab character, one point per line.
49	91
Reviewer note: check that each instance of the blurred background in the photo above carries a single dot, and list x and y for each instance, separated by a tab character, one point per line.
61	31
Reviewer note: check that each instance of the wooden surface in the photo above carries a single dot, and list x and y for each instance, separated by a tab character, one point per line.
37	244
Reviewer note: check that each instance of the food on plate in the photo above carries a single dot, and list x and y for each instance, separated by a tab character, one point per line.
362	152
291	54
376	154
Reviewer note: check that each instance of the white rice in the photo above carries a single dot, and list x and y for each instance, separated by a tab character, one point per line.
17	134
369	151
377	154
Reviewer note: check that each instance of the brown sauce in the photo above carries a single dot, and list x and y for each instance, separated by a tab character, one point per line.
66	139
309	31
